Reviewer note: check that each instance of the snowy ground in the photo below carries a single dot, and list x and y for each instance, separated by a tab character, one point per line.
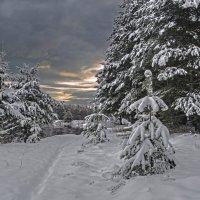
55	169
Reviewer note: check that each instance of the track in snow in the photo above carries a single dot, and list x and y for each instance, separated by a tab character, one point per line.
37	185
42	185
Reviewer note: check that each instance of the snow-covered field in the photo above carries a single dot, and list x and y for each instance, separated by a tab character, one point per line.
57	169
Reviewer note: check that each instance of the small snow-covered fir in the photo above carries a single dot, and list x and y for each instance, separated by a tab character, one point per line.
95	128
148	150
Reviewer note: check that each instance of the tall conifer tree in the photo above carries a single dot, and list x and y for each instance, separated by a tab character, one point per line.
162	34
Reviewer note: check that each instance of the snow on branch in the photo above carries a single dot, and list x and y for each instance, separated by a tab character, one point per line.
154	103
190	104
188	3
170	72
96	118
191	3
164	55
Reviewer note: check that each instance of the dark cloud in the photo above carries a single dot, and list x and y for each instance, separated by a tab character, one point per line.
66	34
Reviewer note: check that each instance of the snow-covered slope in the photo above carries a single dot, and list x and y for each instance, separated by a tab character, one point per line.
57	169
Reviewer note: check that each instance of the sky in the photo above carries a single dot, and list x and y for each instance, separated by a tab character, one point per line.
66	38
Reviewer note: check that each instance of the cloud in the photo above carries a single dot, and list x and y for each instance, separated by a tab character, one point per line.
85	83
64	97
44	66
68	74
86	73
80	84
64	37
74	90
68	88
75	95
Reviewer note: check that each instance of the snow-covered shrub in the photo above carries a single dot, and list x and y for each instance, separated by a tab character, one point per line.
147	150
58	124
68	116
190	106
95	128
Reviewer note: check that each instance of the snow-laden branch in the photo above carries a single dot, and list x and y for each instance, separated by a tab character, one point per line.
154	103
190	104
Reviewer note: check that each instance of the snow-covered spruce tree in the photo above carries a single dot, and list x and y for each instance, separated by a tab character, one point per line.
95	128
10	105
11	115
163	34
148	150
116	82
179	59
38	106
3	69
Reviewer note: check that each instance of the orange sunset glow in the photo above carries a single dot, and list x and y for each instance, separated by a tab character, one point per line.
81	81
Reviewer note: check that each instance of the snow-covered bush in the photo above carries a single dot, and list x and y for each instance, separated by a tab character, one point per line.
95	128
68	116
190	106
58	124
148	150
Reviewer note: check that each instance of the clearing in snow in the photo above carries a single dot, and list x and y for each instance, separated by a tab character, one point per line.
57	168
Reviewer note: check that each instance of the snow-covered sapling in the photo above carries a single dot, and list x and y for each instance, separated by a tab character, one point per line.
148	150
95	128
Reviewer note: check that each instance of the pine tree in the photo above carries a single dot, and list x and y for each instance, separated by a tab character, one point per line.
163	34
148	150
